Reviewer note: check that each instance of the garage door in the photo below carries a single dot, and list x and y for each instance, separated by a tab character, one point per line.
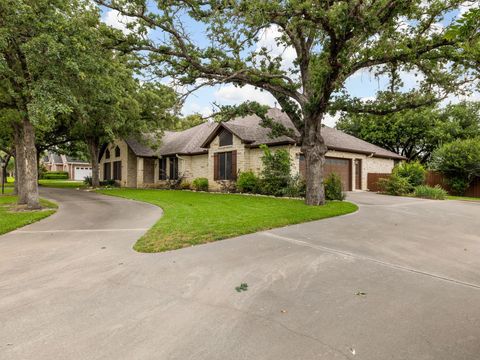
82	172
342	167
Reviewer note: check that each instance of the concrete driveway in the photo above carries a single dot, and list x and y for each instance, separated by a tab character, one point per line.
400	279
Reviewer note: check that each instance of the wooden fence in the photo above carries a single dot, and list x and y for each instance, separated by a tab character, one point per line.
433	178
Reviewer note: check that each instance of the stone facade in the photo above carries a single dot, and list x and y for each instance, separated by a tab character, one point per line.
144	172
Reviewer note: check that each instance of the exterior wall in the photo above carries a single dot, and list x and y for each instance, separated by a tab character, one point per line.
128	163
192	167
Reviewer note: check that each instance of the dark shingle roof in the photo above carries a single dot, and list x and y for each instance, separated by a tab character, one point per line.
175	142
195	140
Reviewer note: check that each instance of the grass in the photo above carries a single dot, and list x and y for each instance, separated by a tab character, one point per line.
196	218
464	198
11	219
61	183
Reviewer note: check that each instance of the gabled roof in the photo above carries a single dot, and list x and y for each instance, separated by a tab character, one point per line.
250	131
175	142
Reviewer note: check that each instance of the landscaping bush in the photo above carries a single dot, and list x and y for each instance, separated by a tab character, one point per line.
333	187
186	185
108	183
414	172
428	192
276	174
296	187
459	161
248	182
395	185
200	184
55	175
88	181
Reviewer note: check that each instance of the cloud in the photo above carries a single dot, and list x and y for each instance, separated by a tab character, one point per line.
232	95
118	21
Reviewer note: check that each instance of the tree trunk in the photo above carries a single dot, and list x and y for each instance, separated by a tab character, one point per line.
15	176
31	171
314	150
19	164
93	149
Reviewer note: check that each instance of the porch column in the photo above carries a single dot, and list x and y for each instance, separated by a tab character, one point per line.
139	172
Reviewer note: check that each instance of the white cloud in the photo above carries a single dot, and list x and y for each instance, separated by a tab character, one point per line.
232	95
466	6
196	108
118	21
330	120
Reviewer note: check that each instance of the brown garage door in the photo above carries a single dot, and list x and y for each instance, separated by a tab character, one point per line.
340	166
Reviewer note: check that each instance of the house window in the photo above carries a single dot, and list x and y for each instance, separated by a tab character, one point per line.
225	166
107	171
173	168
163	169
225	138
117	170
117	152
107	154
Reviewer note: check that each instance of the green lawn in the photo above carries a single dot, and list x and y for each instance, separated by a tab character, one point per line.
196	218
61	183
11	219
464	198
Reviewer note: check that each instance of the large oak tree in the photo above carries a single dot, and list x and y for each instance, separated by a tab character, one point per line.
332	41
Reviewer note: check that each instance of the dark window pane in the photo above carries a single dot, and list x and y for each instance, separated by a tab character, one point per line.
117	151
117	170
228	166
173	168
221	168
226	138
107	171
163	169
107	154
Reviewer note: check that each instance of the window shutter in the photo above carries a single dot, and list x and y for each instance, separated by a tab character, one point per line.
234	165
215	167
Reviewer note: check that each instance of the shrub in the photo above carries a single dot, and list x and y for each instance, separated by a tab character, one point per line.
248	182
186	185
200	184
414	172
88	181
395	185
296	187
459	162
333	187
108	183
55	175
276	174
428	192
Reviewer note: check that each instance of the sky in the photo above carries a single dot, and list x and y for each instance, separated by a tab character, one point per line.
362	84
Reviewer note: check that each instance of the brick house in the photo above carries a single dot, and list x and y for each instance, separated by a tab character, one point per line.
77	169
219	152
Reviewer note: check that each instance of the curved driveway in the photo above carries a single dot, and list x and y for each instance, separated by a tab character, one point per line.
400	279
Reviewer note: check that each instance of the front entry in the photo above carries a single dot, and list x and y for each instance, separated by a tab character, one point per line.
358	174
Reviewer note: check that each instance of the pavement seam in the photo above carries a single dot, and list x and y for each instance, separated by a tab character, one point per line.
366	258
74	230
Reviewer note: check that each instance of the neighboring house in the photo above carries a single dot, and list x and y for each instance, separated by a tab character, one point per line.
219	152
77	169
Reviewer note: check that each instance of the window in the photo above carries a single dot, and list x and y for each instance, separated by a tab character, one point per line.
117	152
163	169
225	138
225	166
173	168
117	170
107	154
107	171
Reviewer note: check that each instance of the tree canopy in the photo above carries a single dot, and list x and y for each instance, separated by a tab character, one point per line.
331	40
415	133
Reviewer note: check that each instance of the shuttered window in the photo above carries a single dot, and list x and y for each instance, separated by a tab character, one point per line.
225	166
107	171
117	170
163	169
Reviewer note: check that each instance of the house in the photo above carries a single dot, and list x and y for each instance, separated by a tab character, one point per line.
219	152
76	169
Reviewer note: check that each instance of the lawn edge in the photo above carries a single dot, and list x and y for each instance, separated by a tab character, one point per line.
100	191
